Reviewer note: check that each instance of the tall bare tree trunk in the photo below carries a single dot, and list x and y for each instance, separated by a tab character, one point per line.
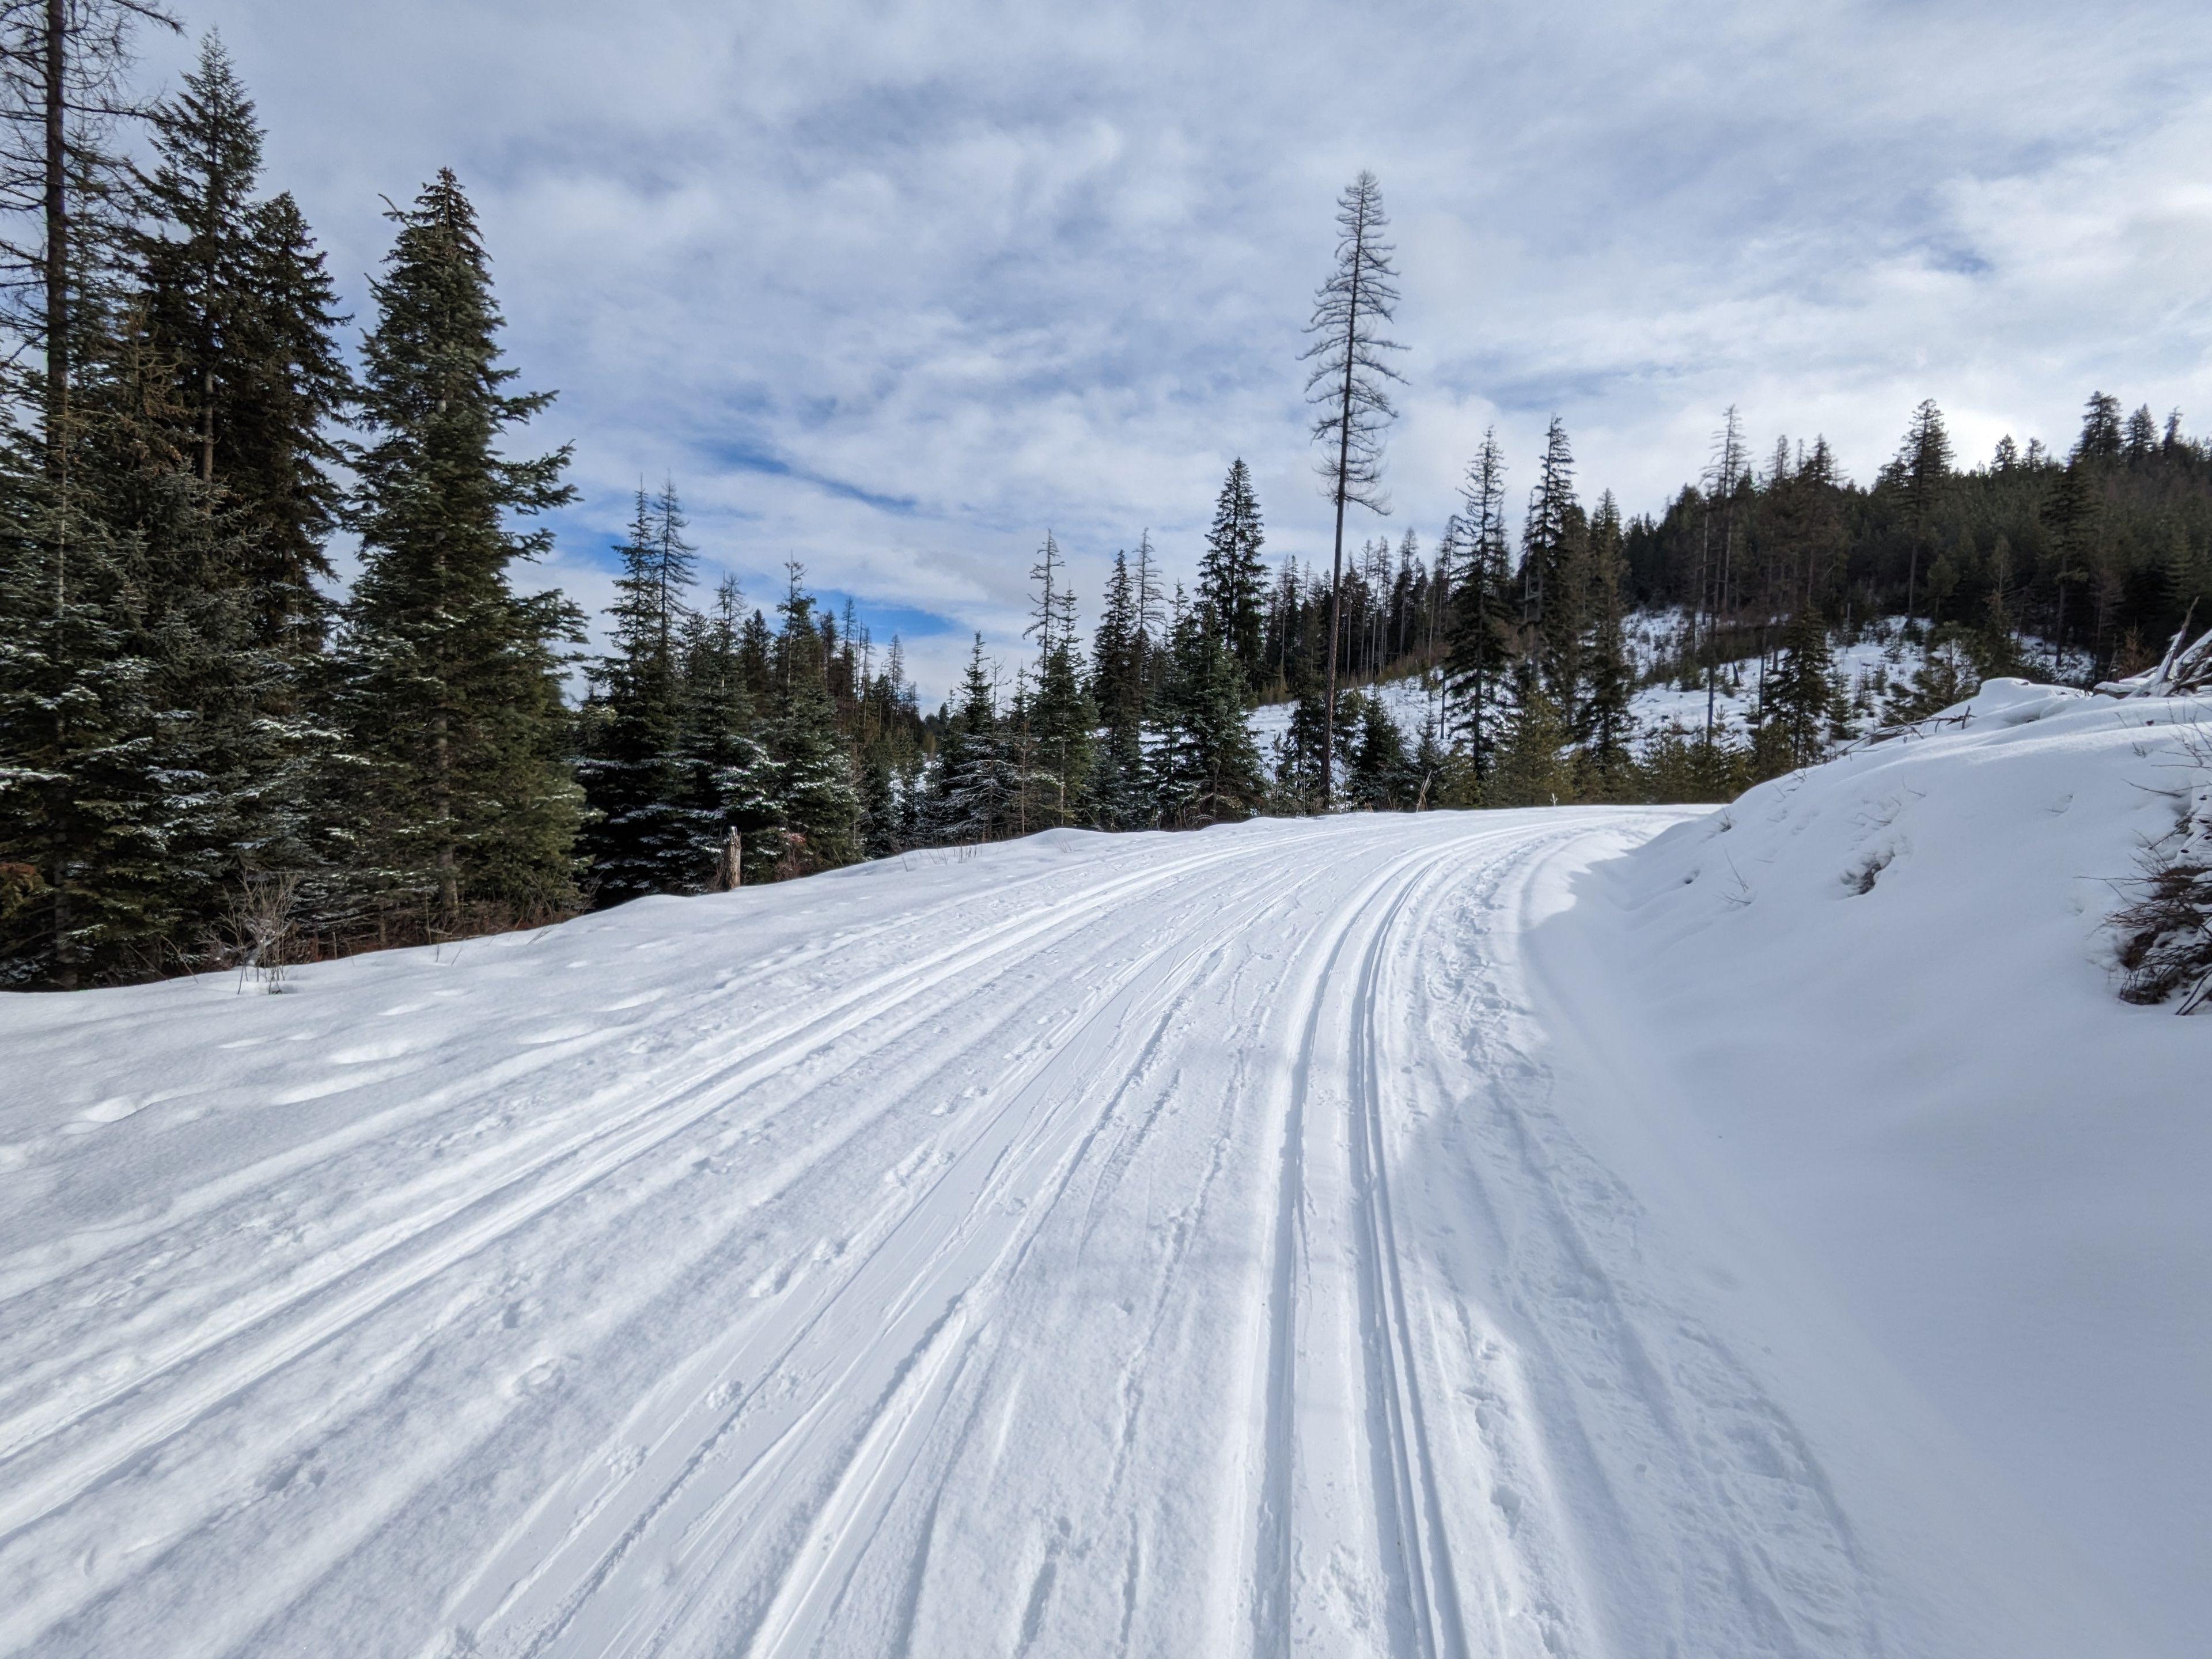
1336	562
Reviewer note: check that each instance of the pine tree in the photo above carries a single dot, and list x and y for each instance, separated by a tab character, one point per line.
1796	703
1205	767
820	806
447	681
1555	576
1483	614
1119	790
1531	770
1381	776
638	838
1348	381
86	831
1924	469
1231	575
1606	724
1061	715
976	775
725	783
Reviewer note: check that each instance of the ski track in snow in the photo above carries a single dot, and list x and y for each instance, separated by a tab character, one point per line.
1163	1245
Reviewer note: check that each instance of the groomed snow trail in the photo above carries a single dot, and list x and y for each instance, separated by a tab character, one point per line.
1144	1245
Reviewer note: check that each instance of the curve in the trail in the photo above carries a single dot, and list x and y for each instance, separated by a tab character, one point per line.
1155	1246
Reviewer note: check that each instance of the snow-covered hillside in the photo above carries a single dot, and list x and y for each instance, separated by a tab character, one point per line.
1866	669
1882	993
1588	1231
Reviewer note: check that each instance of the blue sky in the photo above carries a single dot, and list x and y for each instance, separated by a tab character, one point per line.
894	288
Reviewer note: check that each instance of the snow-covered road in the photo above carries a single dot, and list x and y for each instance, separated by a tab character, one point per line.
1147	1245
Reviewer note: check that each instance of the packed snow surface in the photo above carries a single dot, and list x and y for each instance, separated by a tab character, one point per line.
1571	1232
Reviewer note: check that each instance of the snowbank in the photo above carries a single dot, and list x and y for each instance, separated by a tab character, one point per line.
1881	998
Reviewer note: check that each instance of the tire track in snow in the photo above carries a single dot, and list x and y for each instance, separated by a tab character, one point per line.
345	1285
1276	1571
1027	1145
1413	1518
1483	1488
1651	1493
20	1276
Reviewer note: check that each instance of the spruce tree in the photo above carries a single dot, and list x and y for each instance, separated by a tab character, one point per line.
725	782
1923	469
448	680
978	780
86	834
1119	791
820	806
1061	715
1205	767
637	839
1483	613
1231	576
1555	576
1605	722
1796	703
1381	772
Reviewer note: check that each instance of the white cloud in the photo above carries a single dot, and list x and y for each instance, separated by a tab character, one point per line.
894	288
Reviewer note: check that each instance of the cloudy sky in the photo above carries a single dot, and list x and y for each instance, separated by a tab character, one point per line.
893	289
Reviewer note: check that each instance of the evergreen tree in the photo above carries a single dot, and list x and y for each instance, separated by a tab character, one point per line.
217	379
87	829
239	305
1061	716
1120	791
1922	469
1231	576
820	807
82	832
1299	752
1796	703
1605	722
725	783
638	838
1480	652
1381	776
1531	769
1435	771
976	773
447	681
1555	576
1206	766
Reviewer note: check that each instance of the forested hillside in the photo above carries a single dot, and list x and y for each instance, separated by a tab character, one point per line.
212	751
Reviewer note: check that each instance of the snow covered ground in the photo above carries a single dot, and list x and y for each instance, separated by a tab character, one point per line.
1896	1063
1582	1231
1867	669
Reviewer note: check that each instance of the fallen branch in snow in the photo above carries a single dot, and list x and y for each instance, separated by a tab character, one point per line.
2180	672
2166	942
1920	728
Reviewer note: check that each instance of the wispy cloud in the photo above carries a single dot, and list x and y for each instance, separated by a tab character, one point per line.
893	289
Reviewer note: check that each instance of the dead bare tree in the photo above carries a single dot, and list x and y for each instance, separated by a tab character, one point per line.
1348	382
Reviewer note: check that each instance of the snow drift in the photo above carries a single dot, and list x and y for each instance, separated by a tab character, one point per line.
1883	994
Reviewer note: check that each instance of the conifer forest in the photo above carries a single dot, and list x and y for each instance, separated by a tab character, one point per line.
211	749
